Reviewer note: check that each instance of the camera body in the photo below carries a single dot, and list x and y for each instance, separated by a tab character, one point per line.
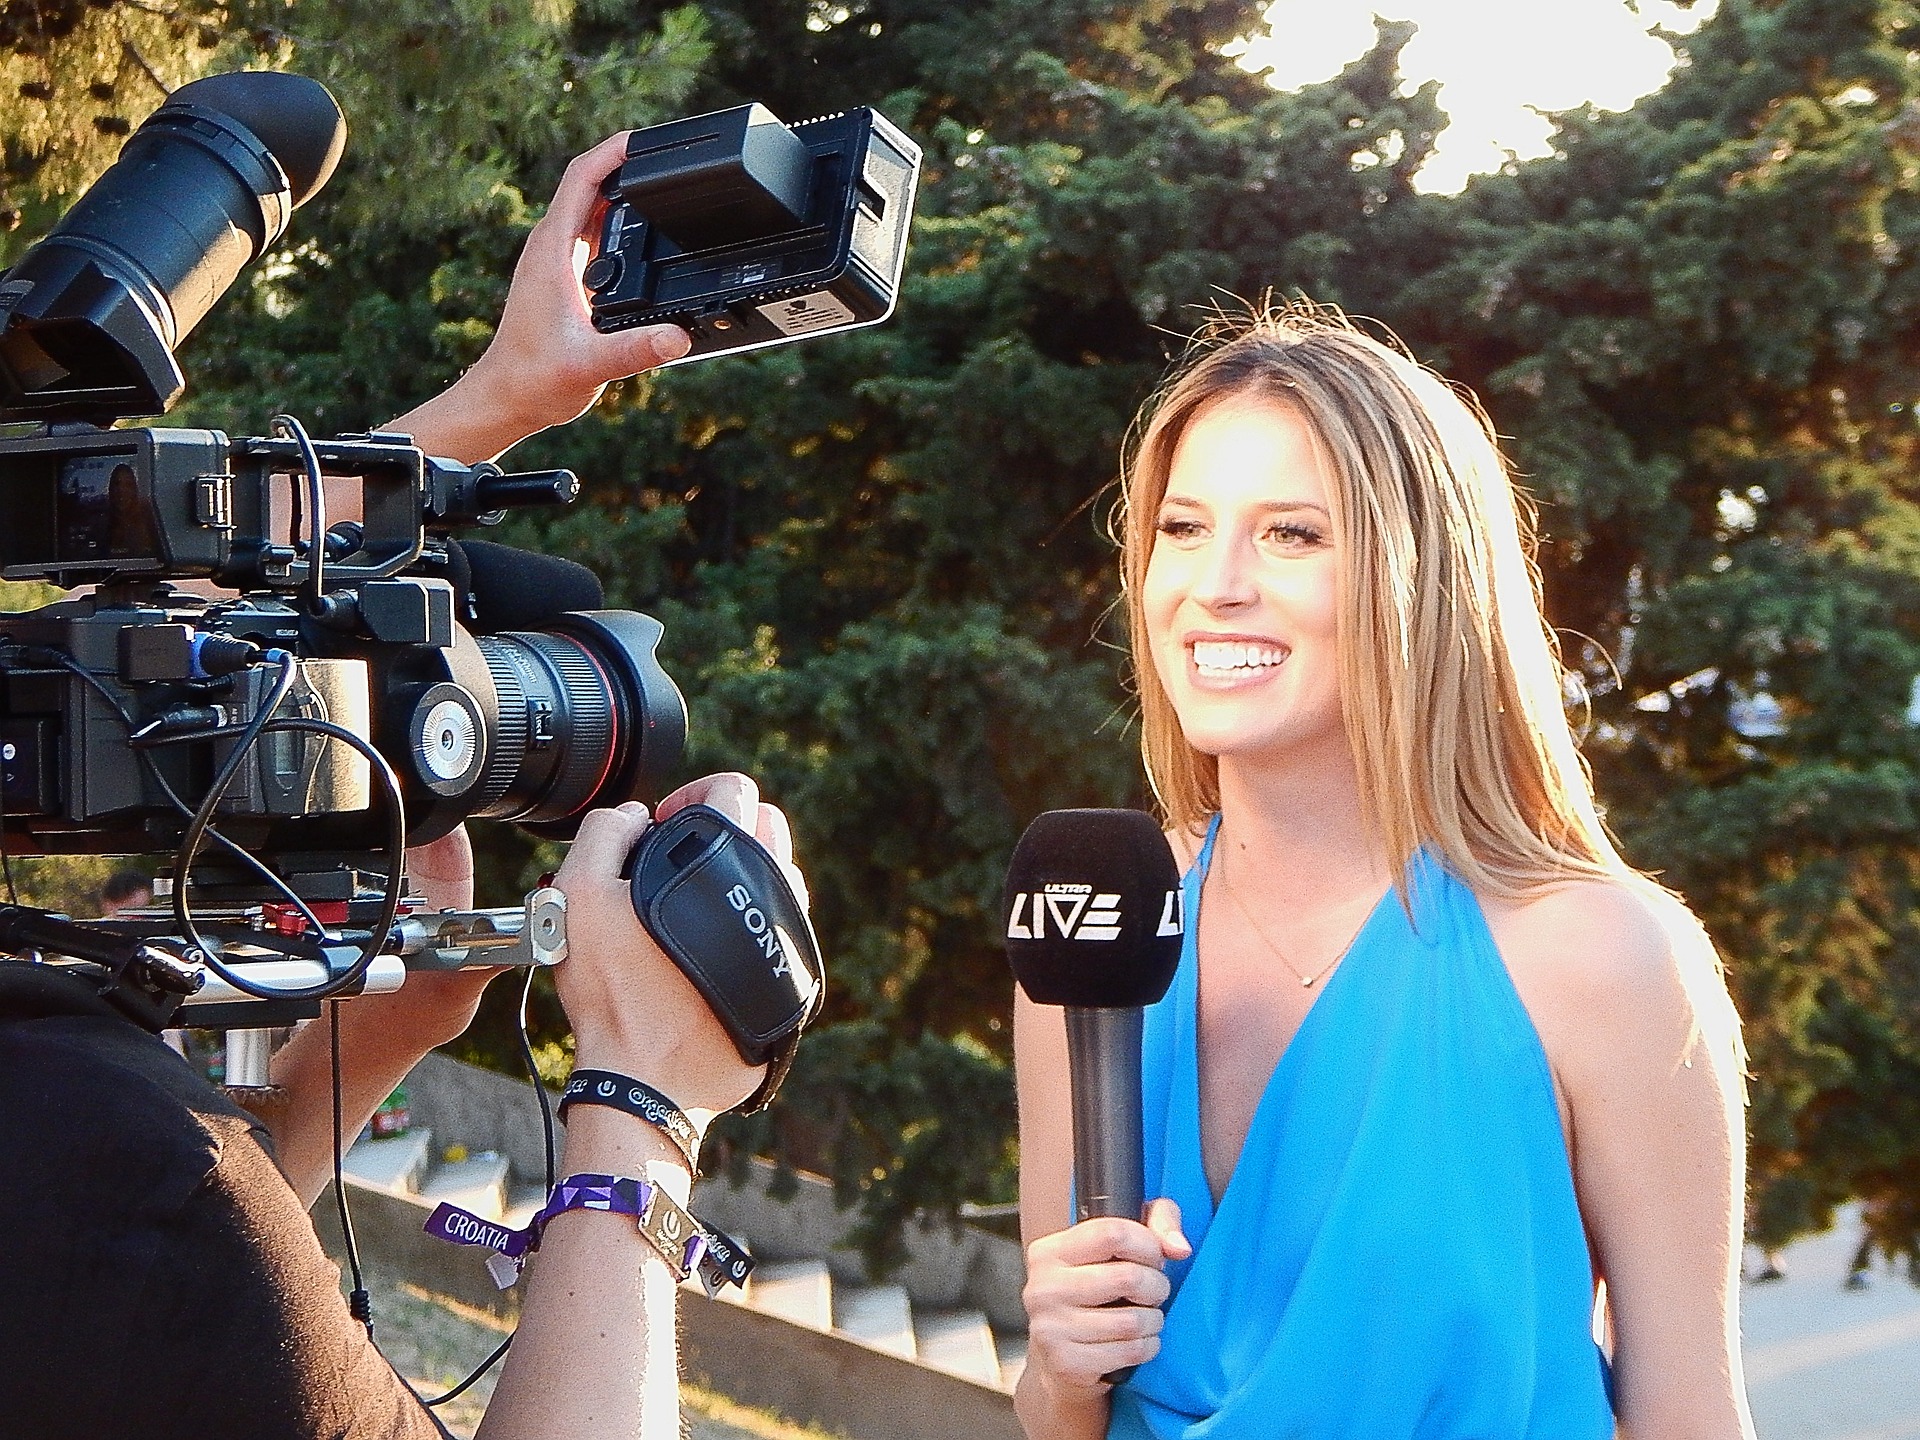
747	233
125	711
342	692
110	699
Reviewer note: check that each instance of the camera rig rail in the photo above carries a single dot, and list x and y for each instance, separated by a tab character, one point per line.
158	979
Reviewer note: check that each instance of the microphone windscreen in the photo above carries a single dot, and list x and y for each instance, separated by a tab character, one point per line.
519	589
1093	910
293	116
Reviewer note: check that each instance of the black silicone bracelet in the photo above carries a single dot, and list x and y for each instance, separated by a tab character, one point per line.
642	1101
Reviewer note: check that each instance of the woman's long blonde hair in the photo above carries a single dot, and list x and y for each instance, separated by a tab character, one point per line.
1453	690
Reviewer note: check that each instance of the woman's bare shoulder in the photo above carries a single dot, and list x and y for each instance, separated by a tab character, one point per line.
1610	933
1613	966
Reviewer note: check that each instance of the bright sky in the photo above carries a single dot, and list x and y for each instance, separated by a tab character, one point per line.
1498	61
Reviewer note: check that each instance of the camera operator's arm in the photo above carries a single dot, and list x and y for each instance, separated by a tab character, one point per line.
382	1037
595	1350
546	364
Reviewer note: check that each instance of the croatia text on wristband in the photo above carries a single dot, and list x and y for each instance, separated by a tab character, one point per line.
636	1098
688	1246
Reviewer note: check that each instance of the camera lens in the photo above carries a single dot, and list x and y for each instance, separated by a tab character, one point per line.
583	717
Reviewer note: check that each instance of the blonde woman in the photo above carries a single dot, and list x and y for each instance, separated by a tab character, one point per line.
1444	1105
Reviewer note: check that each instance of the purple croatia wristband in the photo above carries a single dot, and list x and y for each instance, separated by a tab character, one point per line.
688	1247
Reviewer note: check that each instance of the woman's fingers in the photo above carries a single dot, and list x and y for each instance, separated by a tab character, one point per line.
1106	1238
1102	1283
1087	1365
1094	1293
1163	1219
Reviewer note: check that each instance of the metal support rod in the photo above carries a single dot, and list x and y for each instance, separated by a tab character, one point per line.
249	1052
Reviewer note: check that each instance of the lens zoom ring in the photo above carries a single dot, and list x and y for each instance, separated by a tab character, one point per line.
507	747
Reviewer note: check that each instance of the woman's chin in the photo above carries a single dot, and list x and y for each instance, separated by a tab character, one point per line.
1265	745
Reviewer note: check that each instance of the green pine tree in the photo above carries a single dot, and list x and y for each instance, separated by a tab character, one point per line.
1697	321
881	556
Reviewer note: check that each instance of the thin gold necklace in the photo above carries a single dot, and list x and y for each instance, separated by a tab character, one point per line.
1306	981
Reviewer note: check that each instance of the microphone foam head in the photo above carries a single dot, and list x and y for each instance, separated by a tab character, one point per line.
1093	910
516	589
294	117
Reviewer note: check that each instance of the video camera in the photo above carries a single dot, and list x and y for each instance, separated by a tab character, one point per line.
357	692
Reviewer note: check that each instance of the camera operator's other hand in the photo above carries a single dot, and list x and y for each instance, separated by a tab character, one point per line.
438	1006
632	1010
547	361
546	364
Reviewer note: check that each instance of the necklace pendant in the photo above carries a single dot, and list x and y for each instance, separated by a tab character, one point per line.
1306	981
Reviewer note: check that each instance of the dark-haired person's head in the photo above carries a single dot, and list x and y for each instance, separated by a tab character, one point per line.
125	890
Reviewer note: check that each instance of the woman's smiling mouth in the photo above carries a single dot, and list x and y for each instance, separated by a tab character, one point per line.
1234	659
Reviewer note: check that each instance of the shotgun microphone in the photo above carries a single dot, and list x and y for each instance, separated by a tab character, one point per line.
1094	925
502	588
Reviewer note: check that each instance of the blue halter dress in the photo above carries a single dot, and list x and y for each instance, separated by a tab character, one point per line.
1399	1251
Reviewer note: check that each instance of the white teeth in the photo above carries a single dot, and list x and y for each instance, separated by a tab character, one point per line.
1225	655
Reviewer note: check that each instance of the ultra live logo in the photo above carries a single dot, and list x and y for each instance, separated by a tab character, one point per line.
1074	912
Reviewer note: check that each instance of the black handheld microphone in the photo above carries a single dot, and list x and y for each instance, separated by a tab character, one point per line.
1094	925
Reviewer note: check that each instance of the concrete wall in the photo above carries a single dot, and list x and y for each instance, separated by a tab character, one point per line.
465	1105
804	1374
948	1267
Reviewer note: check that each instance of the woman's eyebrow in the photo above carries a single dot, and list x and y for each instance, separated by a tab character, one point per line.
1270	507
1288	506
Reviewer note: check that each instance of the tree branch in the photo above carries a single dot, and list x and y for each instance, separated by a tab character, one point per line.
132	52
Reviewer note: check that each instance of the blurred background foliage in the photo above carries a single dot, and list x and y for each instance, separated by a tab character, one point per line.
881	556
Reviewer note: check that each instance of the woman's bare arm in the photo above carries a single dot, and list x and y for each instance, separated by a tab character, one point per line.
1626	992
1072	1273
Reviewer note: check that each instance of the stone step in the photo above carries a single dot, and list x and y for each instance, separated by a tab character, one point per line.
395	1163
959	1342
796	1290
877	1315
1012	1350
477	1184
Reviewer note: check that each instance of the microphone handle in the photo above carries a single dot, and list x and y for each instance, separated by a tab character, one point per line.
1103	1058
1109	1165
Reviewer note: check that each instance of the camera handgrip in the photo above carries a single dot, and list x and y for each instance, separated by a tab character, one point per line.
715	901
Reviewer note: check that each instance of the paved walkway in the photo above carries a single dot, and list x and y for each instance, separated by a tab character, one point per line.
1827	1363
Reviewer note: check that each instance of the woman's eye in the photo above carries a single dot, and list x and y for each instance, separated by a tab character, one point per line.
1176	527
1295	536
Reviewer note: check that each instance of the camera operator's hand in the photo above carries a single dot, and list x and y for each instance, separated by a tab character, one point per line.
442	871
382	1037
595	1349
632	1010
434	1008
546	364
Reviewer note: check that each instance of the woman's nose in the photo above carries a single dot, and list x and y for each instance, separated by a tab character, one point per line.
1224	579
